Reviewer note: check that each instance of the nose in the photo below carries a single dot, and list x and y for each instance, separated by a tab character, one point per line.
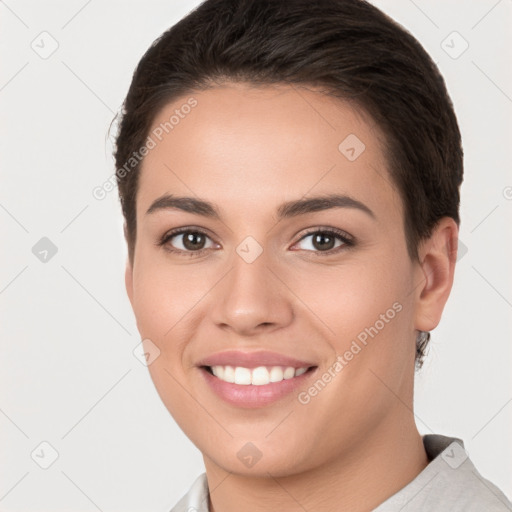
251	299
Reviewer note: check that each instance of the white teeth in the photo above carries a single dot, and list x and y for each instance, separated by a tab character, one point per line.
256	376
276	374
242	375
229	374
218	371
260	376
289	373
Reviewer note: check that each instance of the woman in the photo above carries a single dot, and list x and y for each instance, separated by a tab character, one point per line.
289	174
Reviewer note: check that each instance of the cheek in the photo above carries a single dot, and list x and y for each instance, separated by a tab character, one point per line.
368	312
157	303
351	298
166	301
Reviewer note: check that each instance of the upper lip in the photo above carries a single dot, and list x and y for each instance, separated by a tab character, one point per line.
252	359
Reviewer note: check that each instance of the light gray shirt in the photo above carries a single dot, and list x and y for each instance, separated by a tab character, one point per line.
450	483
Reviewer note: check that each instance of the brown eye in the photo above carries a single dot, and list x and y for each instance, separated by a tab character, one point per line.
193	241
325	241
186	241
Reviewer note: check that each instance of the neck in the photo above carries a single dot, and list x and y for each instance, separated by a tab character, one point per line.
380	466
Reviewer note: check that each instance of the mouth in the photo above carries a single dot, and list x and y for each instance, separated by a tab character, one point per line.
250	388
259	376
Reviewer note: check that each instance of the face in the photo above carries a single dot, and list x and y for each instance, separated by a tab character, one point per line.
328	285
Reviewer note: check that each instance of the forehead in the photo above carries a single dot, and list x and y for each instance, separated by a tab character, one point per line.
244	145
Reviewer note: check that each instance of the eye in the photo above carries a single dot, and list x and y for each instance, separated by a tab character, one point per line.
187	241
322	241
192	242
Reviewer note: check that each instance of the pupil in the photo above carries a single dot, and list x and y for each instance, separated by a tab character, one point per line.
319	241
190	241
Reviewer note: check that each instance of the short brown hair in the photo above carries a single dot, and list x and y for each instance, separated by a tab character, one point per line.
348	48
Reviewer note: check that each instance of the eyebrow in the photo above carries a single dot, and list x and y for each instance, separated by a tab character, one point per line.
285	210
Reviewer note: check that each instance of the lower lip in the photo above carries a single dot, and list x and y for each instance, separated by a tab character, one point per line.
251	396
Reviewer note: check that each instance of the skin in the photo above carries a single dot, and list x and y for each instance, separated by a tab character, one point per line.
248	149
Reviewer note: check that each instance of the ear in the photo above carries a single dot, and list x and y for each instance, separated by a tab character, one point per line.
128	274
437	257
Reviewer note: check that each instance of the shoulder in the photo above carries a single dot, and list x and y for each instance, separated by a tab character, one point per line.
196	499
450	482
465	489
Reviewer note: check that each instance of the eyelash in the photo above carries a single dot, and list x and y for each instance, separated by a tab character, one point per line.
348	240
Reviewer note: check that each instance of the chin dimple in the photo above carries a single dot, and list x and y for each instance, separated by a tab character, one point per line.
255	376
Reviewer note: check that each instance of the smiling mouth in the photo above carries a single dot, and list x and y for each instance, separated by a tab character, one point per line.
258	376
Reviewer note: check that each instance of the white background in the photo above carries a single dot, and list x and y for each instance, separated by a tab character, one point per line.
68	374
